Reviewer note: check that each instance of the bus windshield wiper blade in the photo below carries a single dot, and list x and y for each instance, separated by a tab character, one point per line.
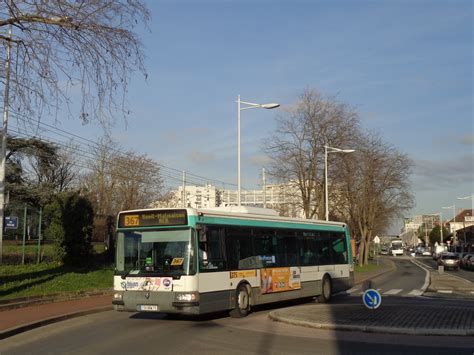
126	274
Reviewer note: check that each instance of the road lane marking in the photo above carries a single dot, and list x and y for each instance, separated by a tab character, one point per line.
415	292
445	291
393	291
353	290
427	276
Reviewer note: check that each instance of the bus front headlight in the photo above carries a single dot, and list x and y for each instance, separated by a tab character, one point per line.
187	297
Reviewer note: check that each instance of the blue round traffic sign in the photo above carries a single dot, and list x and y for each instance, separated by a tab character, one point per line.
372	298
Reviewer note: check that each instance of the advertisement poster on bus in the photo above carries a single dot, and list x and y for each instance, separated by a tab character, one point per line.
280	279
145	284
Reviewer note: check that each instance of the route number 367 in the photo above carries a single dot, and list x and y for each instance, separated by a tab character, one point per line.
131	221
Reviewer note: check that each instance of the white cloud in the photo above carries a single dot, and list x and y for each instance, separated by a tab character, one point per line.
468	139
260	160
436	175
200	157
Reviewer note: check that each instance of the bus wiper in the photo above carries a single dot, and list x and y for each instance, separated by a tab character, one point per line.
137	267
127	273
124	276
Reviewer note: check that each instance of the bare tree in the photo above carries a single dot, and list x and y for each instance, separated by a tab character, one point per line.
297	146
374	189
138	181
168	200
64	49
120	181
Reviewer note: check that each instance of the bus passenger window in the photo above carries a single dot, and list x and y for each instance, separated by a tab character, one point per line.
211	249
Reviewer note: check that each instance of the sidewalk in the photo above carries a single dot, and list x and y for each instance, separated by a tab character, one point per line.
445	285
18	320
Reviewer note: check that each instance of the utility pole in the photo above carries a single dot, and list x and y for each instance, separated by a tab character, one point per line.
184	189
264	184
4	138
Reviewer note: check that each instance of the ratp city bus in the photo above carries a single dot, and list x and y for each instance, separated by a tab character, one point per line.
195	261
396	247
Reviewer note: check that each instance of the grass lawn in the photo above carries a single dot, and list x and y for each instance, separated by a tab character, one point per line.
13	251
48	278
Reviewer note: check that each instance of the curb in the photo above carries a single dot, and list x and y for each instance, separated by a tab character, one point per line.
23	328
372	329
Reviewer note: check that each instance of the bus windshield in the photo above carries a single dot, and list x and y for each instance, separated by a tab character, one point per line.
155	253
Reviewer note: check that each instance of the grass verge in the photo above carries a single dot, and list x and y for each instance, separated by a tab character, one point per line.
49	278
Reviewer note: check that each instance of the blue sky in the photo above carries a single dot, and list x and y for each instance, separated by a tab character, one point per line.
405	65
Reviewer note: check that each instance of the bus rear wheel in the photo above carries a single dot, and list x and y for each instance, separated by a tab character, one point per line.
326	290
242	302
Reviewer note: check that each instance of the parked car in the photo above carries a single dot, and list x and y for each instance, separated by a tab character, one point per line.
384	251
467	262
464	261
449	261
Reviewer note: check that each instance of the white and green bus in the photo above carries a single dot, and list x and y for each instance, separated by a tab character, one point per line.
195	261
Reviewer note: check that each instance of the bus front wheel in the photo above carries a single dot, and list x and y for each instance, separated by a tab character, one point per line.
242	302
326	290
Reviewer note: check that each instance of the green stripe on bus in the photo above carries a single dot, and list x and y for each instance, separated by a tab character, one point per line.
267	224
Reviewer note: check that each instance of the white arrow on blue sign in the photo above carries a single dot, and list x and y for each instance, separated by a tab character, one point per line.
372	298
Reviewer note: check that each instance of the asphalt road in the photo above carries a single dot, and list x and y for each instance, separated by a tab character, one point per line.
147	333
407	280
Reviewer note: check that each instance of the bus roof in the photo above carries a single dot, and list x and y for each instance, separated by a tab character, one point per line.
245	213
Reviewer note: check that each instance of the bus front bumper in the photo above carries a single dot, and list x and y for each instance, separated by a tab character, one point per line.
165	302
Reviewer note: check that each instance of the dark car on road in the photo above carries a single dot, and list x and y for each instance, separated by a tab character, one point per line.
467	261
449	261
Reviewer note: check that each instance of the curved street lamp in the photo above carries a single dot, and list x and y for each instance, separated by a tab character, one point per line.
328	150
248	105
471	197
452	226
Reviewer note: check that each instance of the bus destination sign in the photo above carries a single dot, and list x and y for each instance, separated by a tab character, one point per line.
153	218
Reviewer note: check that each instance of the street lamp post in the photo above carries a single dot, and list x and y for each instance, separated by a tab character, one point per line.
471	197
328	150
248	105
453	226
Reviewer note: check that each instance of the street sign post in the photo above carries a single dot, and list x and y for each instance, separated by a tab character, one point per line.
372	299
11	222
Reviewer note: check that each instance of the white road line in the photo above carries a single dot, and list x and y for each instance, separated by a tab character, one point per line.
427	276
393	291
415	293
353	290
445	291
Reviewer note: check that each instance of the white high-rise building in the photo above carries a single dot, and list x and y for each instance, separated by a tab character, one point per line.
282	197
197	196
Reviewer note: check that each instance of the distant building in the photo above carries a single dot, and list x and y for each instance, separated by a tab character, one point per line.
285	198
420	223
462	220
197	196
460	227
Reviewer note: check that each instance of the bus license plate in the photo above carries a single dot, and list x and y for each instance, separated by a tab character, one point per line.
148	307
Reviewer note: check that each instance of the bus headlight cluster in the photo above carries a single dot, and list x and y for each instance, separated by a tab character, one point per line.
118	296
186	297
